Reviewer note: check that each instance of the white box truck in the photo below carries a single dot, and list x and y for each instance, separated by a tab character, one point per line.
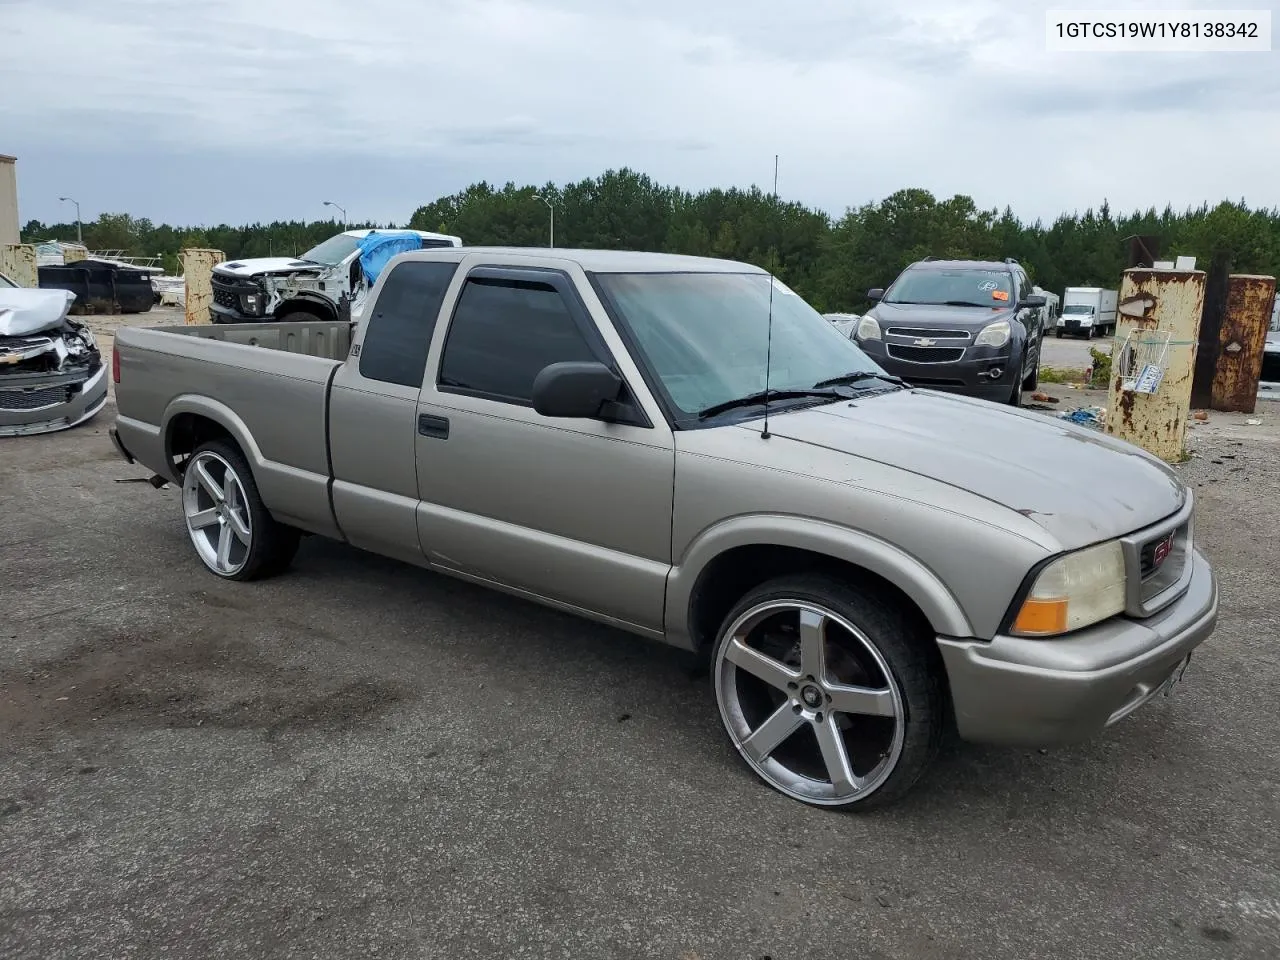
1086	311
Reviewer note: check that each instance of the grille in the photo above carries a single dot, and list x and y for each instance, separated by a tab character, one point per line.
925	354
224	298
916	332
1158	578
34	399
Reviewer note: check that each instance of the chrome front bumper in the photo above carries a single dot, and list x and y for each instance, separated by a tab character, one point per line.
1015	690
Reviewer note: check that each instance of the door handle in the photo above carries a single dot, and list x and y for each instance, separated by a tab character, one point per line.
437	428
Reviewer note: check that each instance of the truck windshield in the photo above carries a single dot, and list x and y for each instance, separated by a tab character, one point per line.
706	336
332	251
1077	308
977	288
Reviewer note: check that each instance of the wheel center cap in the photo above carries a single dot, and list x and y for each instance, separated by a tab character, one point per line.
811	696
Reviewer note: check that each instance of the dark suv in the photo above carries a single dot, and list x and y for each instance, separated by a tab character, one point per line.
966	326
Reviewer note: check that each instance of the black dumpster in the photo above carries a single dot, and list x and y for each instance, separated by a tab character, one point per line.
101	287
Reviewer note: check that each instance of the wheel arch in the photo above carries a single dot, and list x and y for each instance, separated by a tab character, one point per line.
736	555
189	420
319	307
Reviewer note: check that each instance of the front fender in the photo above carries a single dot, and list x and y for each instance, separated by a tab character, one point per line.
909	574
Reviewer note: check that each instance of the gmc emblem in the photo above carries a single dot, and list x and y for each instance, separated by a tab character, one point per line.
1162	551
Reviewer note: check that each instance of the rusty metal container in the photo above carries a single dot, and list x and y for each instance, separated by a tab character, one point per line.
1241	342
18	263
1156	306
197	269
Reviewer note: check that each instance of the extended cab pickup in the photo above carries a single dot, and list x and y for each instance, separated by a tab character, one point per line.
863	563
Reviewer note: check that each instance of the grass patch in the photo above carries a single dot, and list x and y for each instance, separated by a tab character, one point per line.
1061	375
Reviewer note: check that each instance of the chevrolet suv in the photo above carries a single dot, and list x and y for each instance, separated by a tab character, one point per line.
963	326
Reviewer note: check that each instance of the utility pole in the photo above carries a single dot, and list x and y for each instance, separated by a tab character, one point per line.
330	203
79	229
550	206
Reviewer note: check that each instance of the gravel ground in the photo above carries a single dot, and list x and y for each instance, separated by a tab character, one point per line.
363	759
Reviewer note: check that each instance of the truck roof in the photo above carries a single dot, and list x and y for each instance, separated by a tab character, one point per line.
601	261
426	234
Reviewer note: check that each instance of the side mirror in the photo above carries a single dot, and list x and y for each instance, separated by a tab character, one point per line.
875	293
575	389
1033	302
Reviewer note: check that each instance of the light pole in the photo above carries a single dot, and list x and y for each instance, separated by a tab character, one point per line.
79	229
330	203
552	207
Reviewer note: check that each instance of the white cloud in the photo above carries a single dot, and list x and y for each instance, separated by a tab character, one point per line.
859	98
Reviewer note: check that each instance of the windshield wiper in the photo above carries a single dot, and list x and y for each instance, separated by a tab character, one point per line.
851	378
754	399
962	303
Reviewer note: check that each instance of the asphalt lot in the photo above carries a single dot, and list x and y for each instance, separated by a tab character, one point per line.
363	759
1071	353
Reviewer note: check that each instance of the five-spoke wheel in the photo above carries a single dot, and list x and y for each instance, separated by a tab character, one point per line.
826	693
233	533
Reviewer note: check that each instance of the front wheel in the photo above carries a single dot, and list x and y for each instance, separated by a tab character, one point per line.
233	533
829	693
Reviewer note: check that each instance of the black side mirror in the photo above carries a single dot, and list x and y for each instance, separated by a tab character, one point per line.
1033	302
575	389
875	293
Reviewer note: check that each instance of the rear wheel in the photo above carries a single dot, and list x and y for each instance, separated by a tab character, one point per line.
298	316
233	533
828	693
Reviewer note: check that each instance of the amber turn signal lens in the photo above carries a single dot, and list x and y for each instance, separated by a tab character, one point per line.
1042	618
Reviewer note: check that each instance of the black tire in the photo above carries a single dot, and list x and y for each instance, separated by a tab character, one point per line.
1032	381
1057	333
1015	395
904	644
298	316
273	544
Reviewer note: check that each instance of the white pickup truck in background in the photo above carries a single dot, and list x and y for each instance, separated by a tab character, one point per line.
312	286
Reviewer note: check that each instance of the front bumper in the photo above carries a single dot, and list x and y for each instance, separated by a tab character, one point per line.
969	375
1014	690
72	399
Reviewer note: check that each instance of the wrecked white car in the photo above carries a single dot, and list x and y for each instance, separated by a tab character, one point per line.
51	372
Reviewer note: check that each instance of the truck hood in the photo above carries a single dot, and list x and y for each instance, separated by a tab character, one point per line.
934	316
25	311
263	265
1080	486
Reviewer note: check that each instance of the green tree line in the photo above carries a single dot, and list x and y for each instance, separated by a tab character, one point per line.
832	261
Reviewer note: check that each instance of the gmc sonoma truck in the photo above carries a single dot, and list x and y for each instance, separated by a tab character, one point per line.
865	565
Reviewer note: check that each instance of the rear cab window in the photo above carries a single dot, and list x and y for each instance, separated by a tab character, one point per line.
398	334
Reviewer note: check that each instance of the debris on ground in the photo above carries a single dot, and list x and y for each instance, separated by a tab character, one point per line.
1089	416
1253	422
1044	398
1201	415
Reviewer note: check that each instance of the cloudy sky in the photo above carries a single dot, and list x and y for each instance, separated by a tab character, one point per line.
243	110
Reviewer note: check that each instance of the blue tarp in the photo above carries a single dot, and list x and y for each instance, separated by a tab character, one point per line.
379	246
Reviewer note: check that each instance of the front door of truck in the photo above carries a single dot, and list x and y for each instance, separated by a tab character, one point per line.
577	511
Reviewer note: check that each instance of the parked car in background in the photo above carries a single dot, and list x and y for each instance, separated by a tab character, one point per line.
51	372
846	323
1086	312
1271	349
866	568
310	287
964	326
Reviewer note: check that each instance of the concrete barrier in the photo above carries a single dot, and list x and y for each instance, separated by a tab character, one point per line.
18	263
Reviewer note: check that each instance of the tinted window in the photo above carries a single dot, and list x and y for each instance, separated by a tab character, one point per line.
503	333
404	315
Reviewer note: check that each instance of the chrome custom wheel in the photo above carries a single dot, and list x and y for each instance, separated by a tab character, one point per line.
217	512
828	700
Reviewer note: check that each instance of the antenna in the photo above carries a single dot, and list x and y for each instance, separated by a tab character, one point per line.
768	350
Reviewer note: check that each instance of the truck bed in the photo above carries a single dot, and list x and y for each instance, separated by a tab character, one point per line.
271	380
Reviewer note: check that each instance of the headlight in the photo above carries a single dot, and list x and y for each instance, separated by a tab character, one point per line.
867	329
1073	592
994	334
251	302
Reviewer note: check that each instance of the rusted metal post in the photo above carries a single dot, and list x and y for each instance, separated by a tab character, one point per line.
18	263
73	254
197	268
1158	306
1241	341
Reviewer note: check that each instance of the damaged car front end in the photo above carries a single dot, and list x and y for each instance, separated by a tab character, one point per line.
51	371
